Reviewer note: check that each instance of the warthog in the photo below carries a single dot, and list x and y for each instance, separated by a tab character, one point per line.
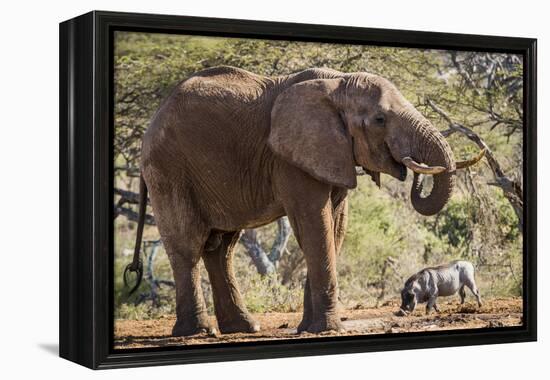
444	280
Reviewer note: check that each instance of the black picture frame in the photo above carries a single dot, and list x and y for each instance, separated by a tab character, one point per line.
86	189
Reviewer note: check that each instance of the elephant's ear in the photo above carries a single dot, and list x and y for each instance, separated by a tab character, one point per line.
307	131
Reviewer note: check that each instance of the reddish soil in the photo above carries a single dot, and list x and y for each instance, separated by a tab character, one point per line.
360	321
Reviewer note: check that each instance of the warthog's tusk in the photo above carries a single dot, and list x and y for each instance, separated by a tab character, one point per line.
421	168
401	313
470	162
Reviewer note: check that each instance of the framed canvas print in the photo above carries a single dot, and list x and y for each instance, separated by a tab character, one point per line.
238	189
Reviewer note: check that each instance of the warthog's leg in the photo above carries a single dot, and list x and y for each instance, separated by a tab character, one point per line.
472	286
431	304
462	294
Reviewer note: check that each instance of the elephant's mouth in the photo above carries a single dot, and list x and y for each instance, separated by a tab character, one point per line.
399	172
397	169
375	176
402	172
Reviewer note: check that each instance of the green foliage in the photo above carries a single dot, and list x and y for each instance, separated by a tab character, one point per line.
454	223
264	294
507	220
387	240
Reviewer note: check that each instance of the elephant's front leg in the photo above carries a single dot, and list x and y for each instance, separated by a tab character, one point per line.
309	207
340	212
314	227
317	240
308	308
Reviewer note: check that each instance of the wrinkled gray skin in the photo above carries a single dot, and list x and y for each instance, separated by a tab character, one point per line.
230	150
441	281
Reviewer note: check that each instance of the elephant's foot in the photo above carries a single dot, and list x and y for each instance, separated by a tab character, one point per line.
193	327
304	324
242	323
329	323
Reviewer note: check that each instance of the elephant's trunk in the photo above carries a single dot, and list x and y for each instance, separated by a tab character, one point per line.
432	149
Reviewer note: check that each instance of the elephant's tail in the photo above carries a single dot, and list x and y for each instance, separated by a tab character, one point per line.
137	265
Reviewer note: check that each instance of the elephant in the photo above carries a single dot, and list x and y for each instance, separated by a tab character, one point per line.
229	150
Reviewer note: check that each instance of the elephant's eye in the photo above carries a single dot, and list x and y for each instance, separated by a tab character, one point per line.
380	119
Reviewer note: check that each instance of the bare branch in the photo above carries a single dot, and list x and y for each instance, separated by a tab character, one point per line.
267	263
463	73
132	215
512	190
279	245
259	257
128	196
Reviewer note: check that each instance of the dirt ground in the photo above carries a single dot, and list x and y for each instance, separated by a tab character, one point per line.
359	321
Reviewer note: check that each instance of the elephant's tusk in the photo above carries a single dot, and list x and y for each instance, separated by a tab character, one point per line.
472	161
421	168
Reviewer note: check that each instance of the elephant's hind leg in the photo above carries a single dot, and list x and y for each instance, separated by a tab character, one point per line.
230	310
192	317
